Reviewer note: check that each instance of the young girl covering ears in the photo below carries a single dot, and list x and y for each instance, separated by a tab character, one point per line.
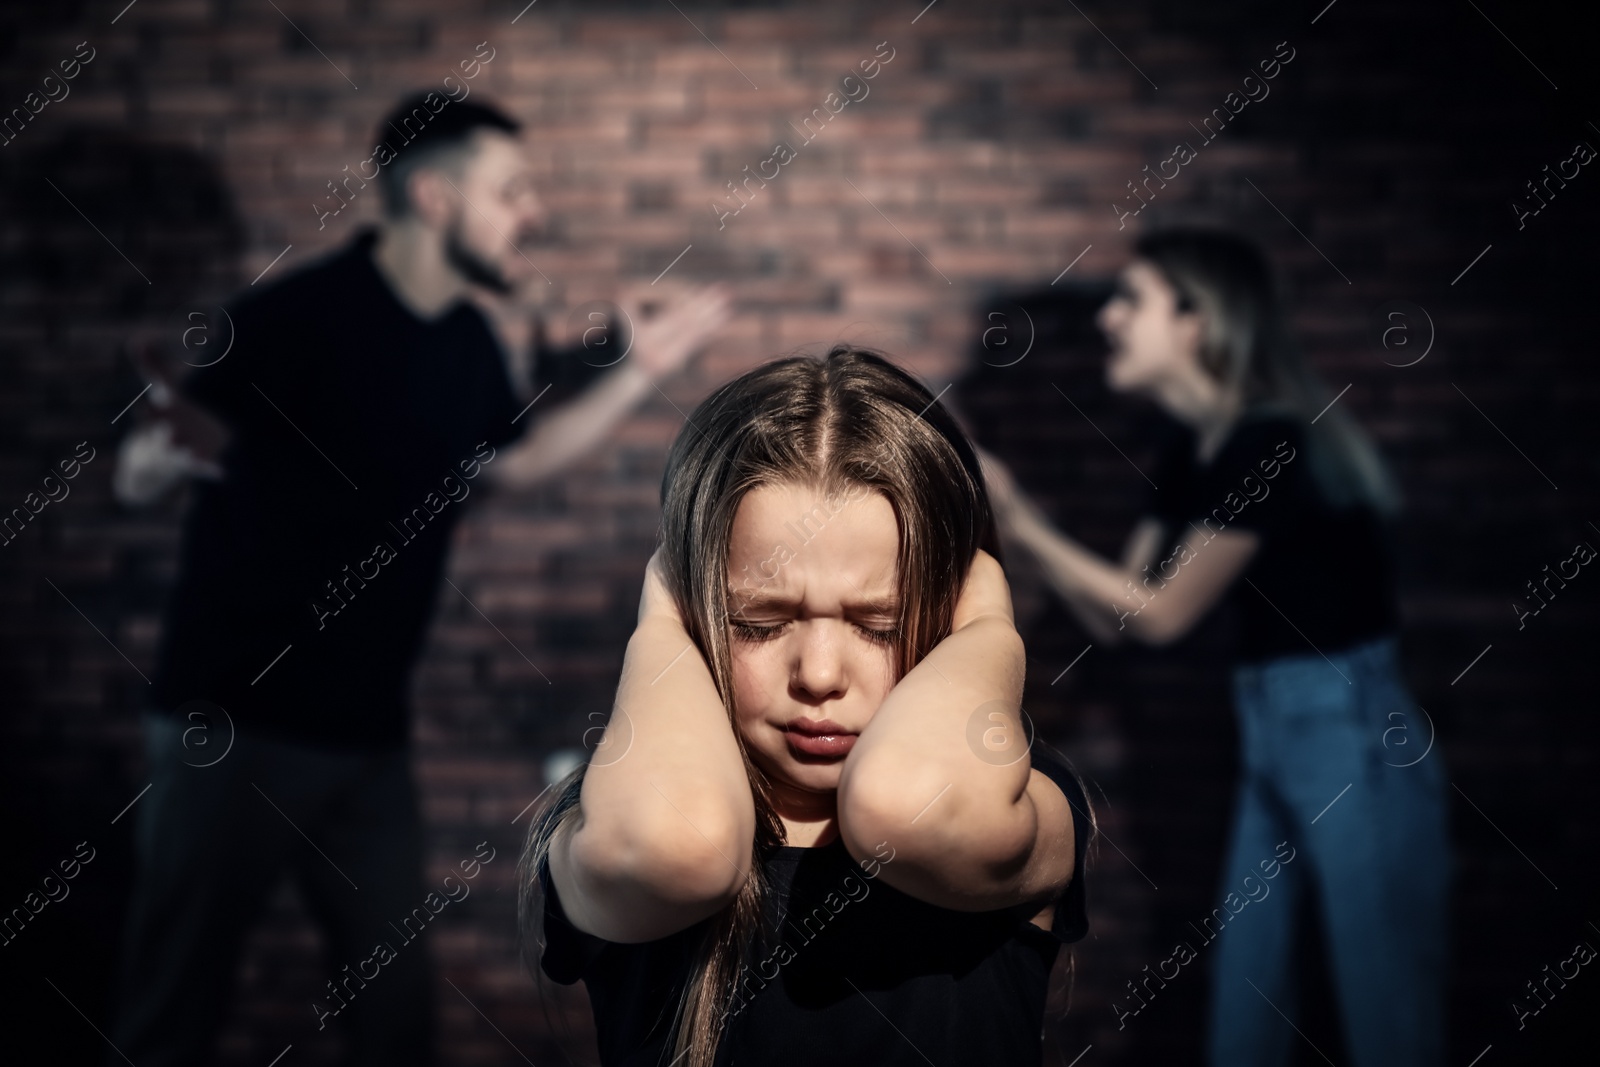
814	831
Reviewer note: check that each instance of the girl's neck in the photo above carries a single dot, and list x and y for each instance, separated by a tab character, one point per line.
810	820
810	834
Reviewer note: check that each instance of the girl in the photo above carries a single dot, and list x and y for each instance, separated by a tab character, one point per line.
813	832
1273	499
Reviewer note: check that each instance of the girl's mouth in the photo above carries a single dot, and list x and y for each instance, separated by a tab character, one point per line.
819	737
833	746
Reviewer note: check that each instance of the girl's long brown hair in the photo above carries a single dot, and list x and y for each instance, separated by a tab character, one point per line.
850	419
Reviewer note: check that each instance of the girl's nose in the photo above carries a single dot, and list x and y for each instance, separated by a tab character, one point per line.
819	667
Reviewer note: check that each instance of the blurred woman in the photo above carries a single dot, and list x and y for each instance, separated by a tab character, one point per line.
813	831
1271	499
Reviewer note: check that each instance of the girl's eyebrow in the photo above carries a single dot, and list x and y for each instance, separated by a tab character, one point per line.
737	601
742	601
889	606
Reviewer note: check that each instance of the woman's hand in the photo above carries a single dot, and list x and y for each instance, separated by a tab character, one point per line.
984	593
1001	485
1015	513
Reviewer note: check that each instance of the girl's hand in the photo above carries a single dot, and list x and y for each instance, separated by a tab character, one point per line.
984	593
655	599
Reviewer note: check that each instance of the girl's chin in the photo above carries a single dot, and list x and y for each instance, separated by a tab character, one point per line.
813	777
785	769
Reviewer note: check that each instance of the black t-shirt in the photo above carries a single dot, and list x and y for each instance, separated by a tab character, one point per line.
857	971
1322	578
309	573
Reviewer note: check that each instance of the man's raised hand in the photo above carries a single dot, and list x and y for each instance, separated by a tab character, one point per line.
663	342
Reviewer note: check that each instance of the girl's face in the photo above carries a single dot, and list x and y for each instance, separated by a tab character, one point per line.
1152	342
813	606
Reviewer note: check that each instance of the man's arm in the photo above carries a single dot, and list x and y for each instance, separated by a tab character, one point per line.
567	433
662	345
182	440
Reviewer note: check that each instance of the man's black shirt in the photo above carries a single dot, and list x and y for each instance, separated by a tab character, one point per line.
309	573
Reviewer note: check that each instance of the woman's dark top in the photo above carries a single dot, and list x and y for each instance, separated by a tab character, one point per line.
1322	578
857	972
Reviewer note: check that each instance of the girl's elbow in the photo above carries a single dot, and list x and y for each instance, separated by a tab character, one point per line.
624	892
700	872
706	865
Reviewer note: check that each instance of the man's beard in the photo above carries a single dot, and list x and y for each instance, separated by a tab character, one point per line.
472	266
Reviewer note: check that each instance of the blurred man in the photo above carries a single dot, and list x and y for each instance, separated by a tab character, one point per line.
363	400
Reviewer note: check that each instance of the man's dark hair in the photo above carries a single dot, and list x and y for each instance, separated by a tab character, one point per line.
424	127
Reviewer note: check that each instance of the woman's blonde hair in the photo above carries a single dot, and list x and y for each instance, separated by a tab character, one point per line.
1247	345
848	420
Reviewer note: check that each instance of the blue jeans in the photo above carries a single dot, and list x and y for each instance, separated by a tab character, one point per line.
1333	765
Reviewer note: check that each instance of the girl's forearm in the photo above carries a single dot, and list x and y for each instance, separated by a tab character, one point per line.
915	778
668	778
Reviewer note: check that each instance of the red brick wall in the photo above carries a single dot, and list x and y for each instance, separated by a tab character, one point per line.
984	161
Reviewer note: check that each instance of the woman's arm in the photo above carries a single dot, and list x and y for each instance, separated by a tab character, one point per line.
971	826
667	822
1157	602
1144	542
1154	600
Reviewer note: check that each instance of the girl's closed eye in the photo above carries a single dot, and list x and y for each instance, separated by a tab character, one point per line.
750	631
